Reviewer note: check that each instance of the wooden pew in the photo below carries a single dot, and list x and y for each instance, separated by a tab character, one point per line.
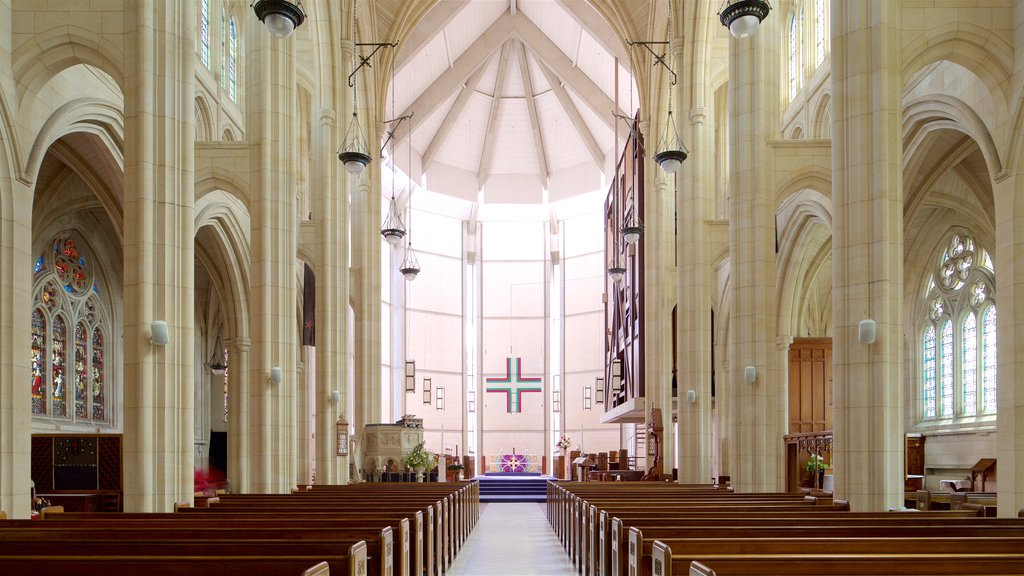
664	564
687	550
104	562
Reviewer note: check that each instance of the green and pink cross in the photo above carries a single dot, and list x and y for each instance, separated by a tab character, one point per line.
513	385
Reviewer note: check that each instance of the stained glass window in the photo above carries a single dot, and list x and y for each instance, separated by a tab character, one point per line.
969	341
57	360
988	359
69	379
38	362
961	292
820	31
794	56
81	372
946	364
223	49
929	372
99	410
204	32
232	61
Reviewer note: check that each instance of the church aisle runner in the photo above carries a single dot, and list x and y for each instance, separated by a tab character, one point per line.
512	539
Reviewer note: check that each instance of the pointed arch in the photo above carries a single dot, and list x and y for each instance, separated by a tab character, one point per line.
222	247
49	53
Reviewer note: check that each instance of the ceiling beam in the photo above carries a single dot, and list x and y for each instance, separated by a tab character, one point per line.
472	59
435	19
574	115
597	27
531	105
452	117
548	53
487	153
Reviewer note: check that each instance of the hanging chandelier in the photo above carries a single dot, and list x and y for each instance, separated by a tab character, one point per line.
281	17
393	230
354	154
671	153
216	364
742	17
410	265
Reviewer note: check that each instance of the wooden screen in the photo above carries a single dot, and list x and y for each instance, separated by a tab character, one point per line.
810	385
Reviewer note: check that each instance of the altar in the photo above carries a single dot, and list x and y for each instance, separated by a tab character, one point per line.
513	463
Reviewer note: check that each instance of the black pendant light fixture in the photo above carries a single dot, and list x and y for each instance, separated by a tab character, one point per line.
742	17
281	17
354	154
393	230
671	153
410	264
217	365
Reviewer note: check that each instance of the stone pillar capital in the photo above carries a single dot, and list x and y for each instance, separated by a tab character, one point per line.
240	344
782	342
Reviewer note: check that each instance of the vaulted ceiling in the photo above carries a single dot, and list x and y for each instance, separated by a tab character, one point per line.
512	97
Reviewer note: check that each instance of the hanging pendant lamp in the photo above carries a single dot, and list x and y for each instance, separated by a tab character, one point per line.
355	154
216	364
742	17
393	230
281	17
410	265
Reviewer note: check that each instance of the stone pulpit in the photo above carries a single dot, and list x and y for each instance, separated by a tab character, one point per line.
384	445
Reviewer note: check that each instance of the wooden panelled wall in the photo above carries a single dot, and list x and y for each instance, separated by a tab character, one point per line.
810	385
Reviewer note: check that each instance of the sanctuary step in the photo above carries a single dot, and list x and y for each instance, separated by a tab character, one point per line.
516	487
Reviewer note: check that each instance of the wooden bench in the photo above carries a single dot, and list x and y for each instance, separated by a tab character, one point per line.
686	550
664	564
99	561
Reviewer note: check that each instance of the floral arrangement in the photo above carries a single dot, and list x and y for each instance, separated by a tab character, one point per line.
39	503
563	442
419	457
815	463
455	466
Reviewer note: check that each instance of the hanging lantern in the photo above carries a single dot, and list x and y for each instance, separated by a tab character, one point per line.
280	16
631	232
341	433
354	153
410	265
393	229
742	17
616	272
671	154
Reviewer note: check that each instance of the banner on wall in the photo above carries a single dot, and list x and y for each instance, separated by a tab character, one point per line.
513	385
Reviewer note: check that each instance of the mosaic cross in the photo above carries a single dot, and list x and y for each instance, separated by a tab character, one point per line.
513	385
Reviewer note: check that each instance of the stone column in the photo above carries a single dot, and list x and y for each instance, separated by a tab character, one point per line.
756	433
15	302
693	188
1009	199
366	263
238	413
159	265
270	105
15	330
331	217
867	244
659	249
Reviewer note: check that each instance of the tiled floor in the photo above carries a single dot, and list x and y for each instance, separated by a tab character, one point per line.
512	539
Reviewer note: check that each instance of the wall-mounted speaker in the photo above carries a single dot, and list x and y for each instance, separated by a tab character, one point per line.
275	375
158	333
866	331
749	374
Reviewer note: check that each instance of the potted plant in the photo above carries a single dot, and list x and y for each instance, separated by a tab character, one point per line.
455	471
816	466
419	459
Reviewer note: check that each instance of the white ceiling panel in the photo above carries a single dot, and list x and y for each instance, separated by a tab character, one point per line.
420	73
625	82
512	146
602	133
490	75
513	87
540	81
465	140
555	23
561	139
470	23
598	64
425	129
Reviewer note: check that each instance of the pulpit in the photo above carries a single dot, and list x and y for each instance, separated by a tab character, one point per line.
385	445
